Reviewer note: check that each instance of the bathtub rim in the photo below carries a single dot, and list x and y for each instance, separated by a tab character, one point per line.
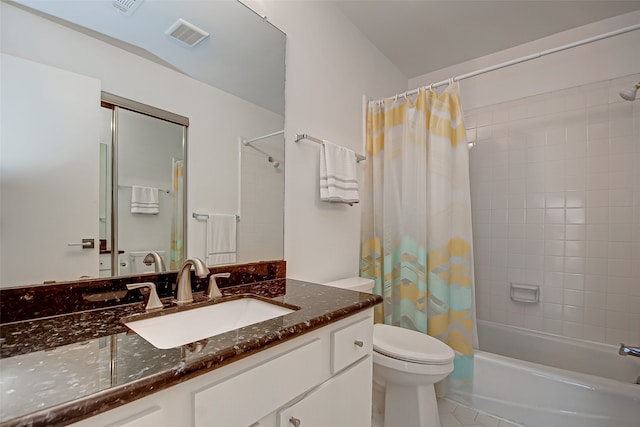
548	335
580	379
572	354
536	413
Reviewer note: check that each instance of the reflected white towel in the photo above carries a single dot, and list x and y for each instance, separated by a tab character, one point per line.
221	239
338	174
144	200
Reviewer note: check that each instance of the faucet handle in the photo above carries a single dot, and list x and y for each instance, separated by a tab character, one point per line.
627	350
214	291
154	302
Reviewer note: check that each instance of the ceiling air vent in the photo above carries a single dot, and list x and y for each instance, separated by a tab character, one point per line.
127	6
187	33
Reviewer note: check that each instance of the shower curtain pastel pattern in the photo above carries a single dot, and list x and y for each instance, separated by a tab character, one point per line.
416	240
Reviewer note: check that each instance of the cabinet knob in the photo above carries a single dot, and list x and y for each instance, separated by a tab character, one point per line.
294	422
359	343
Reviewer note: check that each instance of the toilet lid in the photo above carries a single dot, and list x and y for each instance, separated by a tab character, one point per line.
411	346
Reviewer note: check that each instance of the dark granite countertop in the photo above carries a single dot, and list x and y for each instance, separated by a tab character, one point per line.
60	369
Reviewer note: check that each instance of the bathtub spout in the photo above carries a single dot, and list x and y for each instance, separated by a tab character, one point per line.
627	350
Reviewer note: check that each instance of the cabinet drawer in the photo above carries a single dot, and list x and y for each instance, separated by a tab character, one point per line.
351	343
254	393
152	417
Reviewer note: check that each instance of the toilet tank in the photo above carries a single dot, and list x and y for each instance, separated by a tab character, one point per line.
359	284
136	264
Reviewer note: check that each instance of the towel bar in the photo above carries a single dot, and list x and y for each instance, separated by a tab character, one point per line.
299	136
161	190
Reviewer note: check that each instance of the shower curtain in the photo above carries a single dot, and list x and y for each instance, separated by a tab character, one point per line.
416	240
177	223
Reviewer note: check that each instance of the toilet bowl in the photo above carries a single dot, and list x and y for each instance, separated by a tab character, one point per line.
406	365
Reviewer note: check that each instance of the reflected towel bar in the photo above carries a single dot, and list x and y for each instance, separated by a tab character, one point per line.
299	136
249	141
162	190
204	217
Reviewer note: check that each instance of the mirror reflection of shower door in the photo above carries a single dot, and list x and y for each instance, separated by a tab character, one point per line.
149	153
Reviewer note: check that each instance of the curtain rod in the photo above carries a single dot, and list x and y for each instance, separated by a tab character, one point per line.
520	60
205	217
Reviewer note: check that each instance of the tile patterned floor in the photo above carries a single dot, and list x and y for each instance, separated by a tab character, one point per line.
453	414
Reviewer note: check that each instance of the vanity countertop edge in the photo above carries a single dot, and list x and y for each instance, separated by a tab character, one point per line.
319	306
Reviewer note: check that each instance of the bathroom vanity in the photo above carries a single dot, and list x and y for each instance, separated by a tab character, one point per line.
309	367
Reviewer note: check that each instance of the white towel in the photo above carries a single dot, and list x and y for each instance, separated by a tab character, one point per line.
144	200
221	239
338	174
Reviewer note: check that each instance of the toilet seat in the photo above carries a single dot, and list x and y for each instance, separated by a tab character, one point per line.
411	346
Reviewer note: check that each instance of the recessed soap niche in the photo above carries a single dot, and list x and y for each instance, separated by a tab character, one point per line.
528	294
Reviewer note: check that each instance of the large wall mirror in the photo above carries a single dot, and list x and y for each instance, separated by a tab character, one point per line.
57	182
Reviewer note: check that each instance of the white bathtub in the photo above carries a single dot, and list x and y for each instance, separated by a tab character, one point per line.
544	380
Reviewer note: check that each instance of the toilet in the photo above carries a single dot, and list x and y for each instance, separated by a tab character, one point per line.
136	262
406	365
359	284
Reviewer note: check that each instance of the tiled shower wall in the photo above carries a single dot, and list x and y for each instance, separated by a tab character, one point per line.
555	188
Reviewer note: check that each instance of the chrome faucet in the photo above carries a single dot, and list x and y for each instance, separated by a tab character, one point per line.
183	284
154	257
627	350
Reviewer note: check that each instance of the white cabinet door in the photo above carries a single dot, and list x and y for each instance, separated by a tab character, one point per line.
49	172
342	401
244	398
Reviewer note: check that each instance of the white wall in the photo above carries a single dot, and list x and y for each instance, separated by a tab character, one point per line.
217	118
553	179
261	230
330	65
32	198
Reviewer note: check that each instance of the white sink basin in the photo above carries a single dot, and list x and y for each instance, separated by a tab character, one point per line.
184	327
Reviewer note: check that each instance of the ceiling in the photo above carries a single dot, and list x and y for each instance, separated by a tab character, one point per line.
421	36
243	55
